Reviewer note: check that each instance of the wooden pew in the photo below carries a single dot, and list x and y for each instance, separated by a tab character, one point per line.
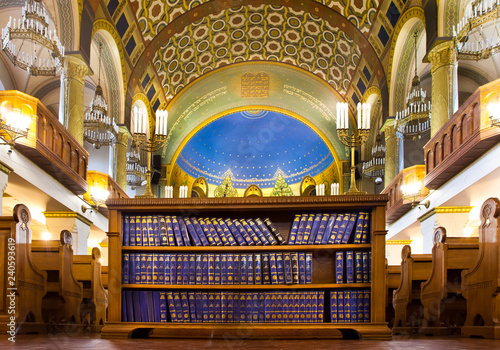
87	269
481	283
104	276
64	295
444	308
393	279
408	312
29	283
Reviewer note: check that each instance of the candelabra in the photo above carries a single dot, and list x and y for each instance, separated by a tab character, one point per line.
375	167
355	138
412	191
13	124
149	143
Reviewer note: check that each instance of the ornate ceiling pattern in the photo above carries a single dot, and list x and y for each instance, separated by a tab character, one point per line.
257	33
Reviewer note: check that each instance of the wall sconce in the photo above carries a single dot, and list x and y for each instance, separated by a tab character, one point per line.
412	192
13	124
98	194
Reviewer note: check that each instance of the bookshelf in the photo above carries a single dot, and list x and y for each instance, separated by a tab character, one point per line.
281	211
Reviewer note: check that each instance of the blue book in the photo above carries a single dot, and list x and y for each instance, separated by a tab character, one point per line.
342	228
125	268
302	268
314	307
321	229
161	268
366	305
173	269
235	232
250	233
217	269
132	227
204	268
124	307
340	306
308	267
227	233
223	269
257	269
149	268
213	232
347	306
138	231
262	315
349	266
255	307
308	310
302	228
210	269
369	266
192	307
177	232
171	307
243	233
366	267
287	264
248	307
273	268
307	232
365	236
156	269
192	269
286	307
223	307
156	306
267	307
143	233
295	267
296	304
354	306
130	305
295	228
126	230
204	305
358	267
137	268
211	307
163	231
131	269
243	269
145	308
184	232
360	306
179	268
163	307
236	307
250	269
185	307
185	270
260	235
156	231
333	304
144	230
279	307
274	231
170	231
144	271
229	307
219	231
359	228
217	307
321	306
266	269
263	228
149	225
339	267
236	269
192	232
230	268
280	269
302	307
166	269
136	298
199	307
198	269
329	235
199	231
350	226
206	232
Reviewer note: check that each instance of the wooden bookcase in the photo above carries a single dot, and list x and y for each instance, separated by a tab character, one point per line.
281	211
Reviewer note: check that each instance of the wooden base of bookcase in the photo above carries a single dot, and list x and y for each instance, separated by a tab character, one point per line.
489	332
121	330
441	331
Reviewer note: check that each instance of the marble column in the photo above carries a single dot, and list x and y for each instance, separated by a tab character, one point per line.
443	58
390	151
121	157
4	180
71	106
76	223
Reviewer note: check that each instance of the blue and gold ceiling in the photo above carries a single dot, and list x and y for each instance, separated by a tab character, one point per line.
255	146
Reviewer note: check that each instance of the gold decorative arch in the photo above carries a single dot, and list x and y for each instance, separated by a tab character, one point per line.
200	187
307	185
253	191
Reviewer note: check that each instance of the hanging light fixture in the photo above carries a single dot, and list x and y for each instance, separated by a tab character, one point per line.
30	44
99	128
375	167
136	173
477	34
415	120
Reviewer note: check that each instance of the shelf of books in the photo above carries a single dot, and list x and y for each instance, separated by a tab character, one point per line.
273	267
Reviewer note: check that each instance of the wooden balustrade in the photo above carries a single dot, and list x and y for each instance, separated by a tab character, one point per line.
49	144
467	135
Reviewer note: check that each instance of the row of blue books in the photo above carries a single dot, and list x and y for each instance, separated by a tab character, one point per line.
161	230
330	228
350	306
225	268
353	267
225	307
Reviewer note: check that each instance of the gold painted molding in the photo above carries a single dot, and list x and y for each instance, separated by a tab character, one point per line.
67	214
103	244
396	242
5	168
445	210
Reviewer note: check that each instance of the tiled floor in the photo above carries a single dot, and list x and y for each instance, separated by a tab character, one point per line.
94	342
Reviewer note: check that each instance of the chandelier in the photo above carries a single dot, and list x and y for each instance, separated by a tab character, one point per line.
415	119
136	173
375	167
477	34
99	128
44	52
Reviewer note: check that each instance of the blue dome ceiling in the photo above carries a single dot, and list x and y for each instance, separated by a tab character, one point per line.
255	146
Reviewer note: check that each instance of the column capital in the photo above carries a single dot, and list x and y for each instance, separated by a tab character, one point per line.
76	68
443	54
123	136
388	129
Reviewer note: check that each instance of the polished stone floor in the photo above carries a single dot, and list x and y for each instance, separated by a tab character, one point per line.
94	342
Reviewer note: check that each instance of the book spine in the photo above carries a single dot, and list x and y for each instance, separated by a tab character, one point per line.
236	269
170	231
347	306
156	269
314	307
267	307
163	231
279	307
350	226
295	267
198	269
156	230
273	268
314	229
236	307
163	307
302	307
220	233
257	269
131	267
217	269
274	231
340	306
250	233
302	227
266	269
199	307
173	269
235	232
217	307
286	307
144	271
308	310
255	307
167	269
148	314
230	268
177	231
205	307
206	232
243	232
342	229
199	231
227	233
192	232
365	236
262	314
330	230
223	306
366	305
147	230
185	307
149	268
171	307
302	268
339	267
354	306
365	267
250	276
213	232
132	227
260	235
333	303
292	237
138	230
321	229
126	230
178	267
280	269
124	307
359	228
308	267
360	306
273	307
307	231
287	263
269	236
204	268
151	235
184	232
358	263
192	269
230	307
243	269
192	306
321	306
223	269
296	307
125	268
185	269
349	266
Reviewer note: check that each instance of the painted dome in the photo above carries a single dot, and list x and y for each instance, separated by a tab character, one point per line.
254	147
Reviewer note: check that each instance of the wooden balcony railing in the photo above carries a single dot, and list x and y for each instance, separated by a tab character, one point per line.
466	136
104	182
397	206
49	144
